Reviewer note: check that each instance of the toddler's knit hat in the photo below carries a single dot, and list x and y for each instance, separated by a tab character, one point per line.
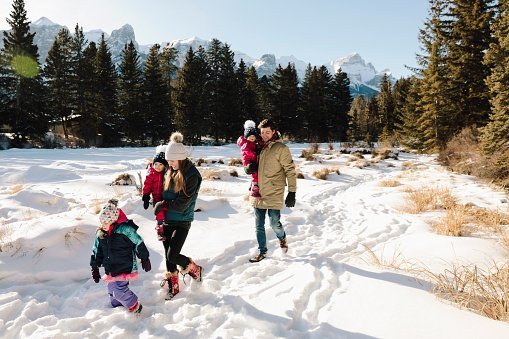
109	213
250	129
160	155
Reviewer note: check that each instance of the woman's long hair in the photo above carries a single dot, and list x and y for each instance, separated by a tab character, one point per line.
177	177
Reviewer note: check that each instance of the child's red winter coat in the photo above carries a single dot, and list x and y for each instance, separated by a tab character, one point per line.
154	184
248	149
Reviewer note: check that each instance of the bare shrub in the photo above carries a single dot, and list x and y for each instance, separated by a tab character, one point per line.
220	161
389	183
235	162
300	175
233	173
330	147
462	152
484	292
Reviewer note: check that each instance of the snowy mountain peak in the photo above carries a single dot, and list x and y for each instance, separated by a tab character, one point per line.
43	21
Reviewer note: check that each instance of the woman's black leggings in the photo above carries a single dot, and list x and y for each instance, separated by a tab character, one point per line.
175	238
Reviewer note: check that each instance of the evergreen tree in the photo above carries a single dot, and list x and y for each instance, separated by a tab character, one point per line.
109	122
358	122
435	115
130	82
191	96
307	103
406	96
386	106
169	68
315	107
247	81
86	91
264	100
58	73
22	86
341	103
495	136
156	105
228	96
285	99
216	121
469	39
252	86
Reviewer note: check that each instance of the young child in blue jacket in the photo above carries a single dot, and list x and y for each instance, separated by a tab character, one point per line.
116	246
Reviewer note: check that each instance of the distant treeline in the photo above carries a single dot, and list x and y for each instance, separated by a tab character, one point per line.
461	81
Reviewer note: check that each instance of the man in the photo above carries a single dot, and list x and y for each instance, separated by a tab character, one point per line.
275	170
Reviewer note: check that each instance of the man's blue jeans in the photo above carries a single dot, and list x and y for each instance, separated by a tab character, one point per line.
274	217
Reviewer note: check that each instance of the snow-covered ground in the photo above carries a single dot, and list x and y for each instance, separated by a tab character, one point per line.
327	286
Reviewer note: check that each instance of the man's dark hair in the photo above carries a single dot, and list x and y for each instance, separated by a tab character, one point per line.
267	123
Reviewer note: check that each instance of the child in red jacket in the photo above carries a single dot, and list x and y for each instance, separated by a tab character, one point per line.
249	146
154	185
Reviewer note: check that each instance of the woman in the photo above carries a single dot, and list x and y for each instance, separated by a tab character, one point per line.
181	185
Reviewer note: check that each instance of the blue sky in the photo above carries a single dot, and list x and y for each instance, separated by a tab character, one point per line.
383	32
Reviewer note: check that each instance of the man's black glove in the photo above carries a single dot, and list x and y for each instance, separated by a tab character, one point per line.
290	199
146	200
145	264
95	274
159	206
251	168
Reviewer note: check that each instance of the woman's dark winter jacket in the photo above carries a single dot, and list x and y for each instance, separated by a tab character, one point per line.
117	249
181	205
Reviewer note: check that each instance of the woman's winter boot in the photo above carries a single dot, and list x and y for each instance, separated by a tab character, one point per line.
172	278
193	270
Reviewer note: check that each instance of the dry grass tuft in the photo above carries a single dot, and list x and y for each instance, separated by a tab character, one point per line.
16	188
324	172
76	234
389	183
5	234
429	198
394	261
201	161
493	219
96	205
210	174
235	162
484	292
453	222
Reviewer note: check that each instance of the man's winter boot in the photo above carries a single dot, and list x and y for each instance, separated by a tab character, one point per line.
193	270
283	245
173	284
